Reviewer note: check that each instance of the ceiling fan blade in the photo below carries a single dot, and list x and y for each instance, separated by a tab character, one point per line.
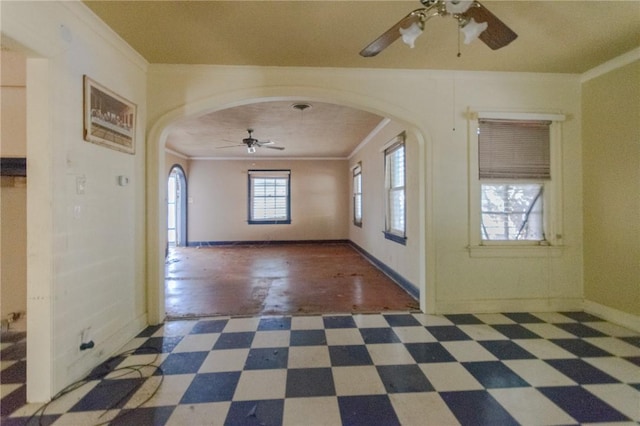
281	148
391	35
229	146
263	143
497	34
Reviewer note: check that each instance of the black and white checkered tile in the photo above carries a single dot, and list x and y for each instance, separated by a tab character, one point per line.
374	369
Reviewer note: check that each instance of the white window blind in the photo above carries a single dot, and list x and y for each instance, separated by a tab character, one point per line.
395	183
513	149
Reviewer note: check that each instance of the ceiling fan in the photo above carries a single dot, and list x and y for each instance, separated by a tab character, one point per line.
252	143
474	21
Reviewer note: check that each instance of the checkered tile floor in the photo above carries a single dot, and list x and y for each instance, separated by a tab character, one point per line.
374	369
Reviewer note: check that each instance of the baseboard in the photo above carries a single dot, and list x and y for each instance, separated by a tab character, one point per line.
613	315
261	242
508	305
396	277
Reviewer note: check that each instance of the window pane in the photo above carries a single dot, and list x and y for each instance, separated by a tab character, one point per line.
512	212
396	159
395	181
357	198
396	211
269	198
171	190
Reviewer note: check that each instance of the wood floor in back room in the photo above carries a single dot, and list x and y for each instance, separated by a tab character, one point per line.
274	279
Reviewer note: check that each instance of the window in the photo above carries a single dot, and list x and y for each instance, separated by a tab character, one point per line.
269	197
394	159
357	195
514	164
517	190
512	212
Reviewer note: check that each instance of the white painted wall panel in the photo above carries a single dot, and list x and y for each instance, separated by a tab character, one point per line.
86	254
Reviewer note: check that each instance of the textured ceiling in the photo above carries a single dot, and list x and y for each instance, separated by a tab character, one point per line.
321	131
553	36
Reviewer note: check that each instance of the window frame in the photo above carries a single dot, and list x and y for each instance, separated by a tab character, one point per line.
357	196
396	235
277	174
551	196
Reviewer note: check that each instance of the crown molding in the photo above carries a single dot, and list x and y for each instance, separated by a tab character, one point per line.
613	64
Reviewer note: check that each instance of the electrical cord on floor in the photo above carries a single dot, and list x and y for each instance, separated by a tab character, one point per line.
105	369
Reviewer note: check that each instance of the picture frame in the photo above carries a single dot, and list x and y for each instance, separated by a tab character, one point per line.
109	119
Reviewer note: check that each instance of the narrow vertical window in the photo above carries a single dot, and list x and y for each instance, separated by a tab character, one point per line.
357	195
394	159
269	197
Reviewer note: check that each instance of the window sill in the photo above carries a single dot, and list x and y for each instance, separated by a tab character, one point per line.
514	251
269	222
396	238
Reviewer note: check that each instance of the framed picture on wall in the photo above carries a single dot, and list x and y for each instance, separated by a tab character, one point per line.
109	119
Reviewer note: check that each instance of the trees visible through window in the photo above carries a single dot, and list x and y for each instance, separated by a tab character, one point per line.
269	197
394	159
512	211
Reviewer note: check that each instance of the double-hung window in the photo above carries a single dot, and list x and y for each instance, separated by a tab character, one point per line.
517	187
269	196
357	195
395	165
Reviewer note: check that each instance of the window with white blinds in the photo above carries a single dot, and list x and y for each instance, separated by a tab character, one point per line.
269	196
394	157
357	195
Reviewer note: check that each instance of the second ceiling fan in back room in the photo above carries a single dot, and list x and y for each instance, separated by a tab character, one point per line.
474	21
252	144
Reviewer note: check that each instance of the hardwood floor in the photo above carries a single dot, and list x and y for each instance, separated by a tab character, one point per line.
277	279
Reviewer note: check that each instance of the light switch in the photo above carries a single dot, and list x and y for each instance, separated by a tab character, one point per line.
81	183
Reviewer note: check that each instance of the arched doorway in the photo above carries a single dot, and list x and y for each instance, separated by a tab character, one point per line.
177	208
158	136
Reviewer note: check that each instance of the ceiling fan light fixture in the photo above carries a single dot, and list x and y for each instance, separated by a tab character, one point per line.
472	30
409	35
251	149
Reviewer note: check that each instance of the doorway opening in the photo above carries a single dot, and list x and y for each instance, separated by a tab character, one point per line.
161	296
177	208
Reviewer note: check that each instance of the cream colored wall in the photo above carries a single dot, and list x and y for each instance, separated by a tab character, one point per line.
516	280
13	196
432	105
403	259
218	207
611	158
86	250
172	160
13	125
13	245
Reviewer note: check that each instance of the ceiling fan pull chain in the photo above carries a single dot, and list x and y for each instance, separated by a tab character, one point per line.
459	54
